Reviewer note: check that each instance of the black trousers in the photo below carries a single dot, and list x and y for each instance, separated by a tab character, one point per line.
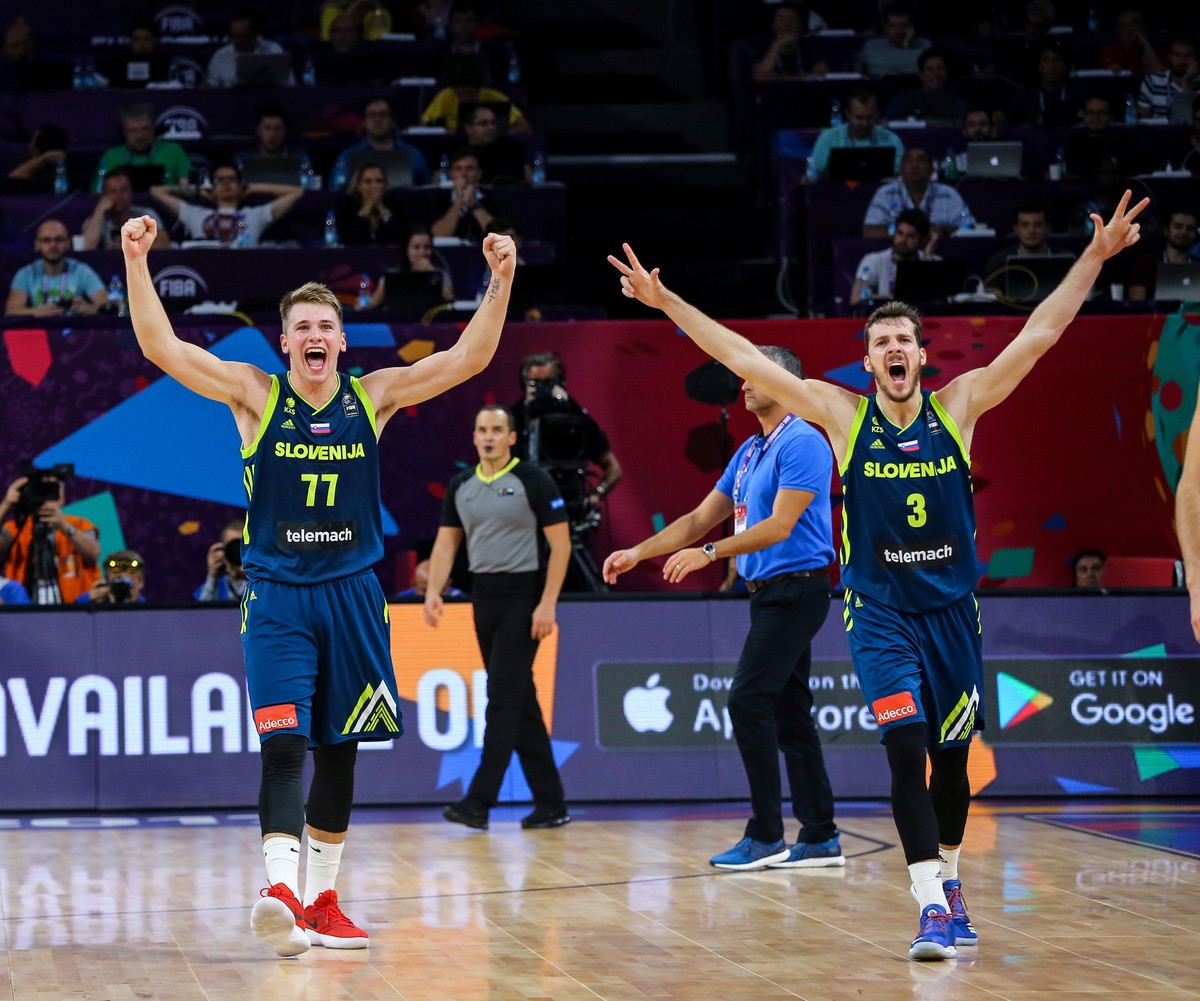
770	706
504	605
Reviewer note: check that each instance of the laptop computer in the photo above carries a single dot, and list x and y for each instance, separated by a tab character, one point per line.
143	176
271	169
929	281
1180	112
342	68
264	69
994	159
396	164
1177	282
412	291
861	163
1031	279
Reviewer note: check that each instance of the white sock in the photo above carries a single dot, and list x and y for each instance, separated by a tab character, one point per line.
927	884
948	857
283	862
323	861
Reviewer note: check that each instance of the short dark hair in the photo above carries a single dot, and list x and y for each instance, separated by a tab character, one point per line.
375	98
1084	553
48	137
917	219
462	153
271	111
933	52
894	310
143	24
1181	210
539	358
785	358
500	408
1031	206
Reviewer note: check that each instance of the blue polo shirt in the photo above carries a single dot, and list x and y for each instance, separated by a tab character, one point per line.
798	458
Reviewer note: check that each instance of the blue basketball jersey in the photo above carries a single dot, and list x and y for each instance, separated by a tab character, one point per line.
312	480
908	516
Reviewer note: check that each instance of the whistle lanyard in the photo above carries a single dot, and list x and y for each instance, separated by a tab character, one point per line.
753	449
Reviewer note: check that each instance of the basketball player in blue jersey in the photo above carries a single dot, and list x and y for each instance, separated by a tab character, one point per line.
314	618
908	547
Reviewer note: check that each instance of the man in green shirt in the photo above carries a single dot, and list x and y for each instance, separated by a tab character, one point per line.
141	148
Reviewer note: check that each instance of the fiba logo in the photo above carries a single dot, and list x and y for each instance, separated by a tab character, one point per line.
181	122
178	20
179	282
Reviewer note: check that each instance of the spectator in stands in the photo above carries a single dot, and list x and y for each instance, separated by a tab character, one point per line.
1111	182
114	208
124	581
1180	232
345	35
358	11
47	149
1186	156
897	51
465	86
143	62
1131	51
862	128
18	58
417	255
245	38
54	284
1098	139
420	583
977	127
53	554
226	578
784	59
141	148
915	188
1181	76
933	102
1056	99
364	215
501	160
226	219
270	133
1030	226
466	217
379	132
1016	59
1087	569
466	47
875	276
431	18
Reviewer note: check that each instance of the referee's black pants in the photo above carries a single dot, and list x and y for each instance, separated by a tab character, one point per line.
504	605
770	706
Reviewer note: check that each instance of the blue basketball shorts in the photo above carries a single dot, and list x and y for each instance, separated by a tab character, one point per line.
318	660
919	666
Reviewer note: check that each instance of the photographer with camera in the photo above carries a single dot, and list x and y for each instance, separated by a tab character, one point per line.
55	284
226	579
52	554
124	579
556	433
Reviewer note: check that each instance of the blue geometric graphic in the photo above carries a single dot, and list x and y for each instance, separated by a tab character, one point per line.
853	375
1077	788
369	335
459	766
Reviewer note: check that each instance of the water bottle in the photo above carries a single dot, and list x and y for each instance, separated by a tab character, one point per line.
868	286
175	73
60	178
965	220
1093	20
243	234
1058	168
1131	115
514	68
331	236
308	180
309	76
364	291
810	168
116	294
441	176
89	73
77	76
949	167
538	175
835	112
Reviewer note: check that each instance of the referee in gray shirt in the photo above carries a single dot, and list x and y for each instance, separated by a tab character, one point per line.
499	506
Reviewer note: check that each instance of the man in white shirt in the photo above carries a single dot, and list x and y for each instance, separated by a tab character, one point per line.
244	39
226	219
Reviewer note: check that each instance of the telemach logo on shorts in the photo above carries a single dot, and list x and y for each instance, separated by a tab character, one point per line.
269	719
891	708
317	534
375	710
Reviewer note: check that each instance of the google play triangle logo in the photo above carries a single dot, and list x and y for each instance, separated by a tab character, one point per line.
1018	701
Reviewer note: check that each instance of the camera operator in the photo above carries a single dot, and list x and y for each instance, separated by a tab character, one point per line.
124	579
52	554
226	579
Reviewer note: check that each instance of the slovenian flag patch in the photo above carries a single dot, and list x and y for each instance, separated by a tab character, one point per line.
909	446
324	428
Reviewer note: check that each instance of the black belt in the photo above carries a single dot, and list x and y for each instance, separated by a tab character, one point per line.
756	585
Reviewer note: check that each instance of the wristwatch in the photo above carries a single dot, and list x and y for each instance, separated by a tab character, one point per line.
601	489
709	549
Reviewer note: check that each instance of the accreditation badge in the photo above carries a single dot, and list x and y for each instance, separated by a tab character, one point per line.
739	519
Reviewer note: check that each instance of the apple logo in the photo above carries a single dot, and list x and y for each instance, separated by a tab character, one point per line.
646	708
994	161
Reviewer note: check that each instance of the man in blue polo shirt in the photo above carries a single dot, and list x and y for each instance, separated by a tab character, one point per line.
776	488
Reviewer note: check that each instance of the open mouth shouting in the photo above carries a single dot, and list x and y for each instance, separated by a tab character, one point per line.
315	359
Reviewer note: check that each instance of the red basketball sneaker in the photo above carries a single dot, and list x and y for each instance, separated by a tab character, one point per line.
278	919
329	927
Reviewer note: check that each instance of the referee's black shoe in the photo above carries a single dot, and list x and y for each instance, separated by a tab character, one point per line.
468	812
546	816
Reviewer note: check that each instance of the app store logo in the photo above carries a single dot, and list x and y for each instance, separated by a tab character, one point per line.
645	707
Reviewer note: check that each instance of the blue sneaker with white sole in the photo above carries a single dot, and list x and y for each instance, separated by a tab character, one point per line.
964	931
936	937
814	855
751	854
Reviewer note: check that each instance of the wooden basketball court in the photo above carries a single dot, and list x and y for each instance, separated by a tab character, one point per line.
1071	900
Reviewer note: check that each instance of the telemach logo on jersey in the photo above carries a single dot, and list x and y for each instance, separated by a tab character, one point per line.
936	553
317	534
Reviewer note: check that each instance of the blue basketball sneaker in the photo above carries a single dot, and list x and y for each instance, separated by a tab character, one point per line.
803	855
936	938
964	931
751	854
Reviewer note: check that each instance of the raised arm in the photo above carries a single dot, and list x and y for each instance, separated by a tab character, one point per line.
243	387
1187	517
974	393
818	402
393	388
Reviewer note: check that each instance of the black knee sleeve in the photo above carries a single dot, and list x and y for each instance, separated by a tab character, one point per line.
332	792
912	810
950	791
280	795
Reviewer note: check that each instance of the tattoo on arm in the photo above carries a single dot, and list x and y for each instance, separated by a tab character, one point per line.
493	289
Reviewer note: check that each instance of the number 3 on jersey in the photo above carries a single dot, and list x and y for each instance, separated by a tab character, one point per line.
331	490
918	516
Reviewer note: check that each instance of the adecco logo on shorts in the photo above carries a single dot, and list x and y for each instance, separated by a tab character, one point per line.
271	718
891	708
